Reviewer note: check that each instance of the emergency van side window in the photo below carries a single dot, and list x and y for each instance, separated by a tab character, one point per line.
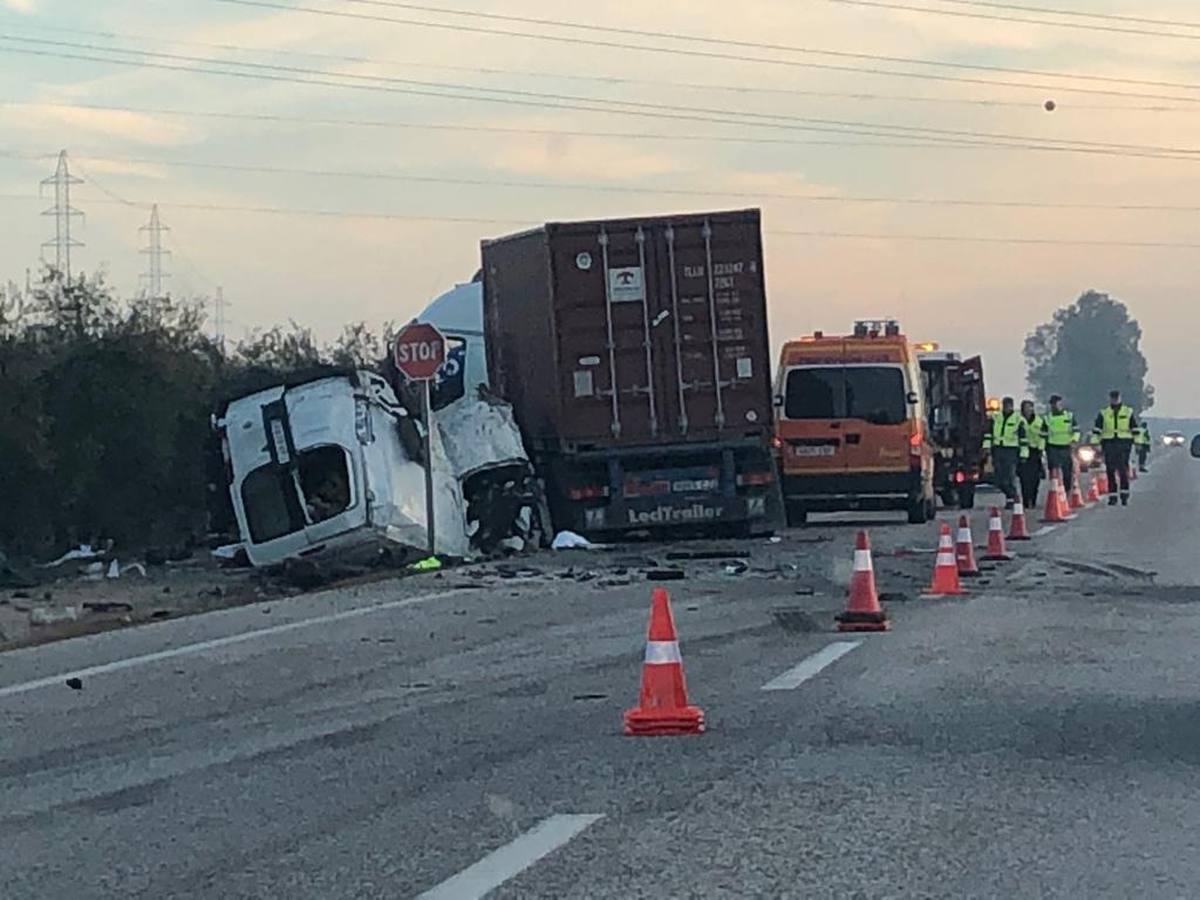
816	392
876	394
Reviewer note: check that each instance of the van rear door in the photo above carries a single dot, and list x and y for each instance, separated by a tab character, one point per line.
810	424
878	425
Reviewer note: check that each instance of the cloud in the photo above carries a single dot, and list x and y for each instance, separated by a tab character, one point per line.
42	121
21	6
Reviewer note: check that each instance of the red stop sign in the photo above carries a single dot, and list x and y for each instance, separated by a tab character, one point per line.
420	351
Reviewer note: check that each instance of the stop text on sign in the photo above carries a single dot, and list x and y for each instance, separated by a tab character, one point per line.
420	351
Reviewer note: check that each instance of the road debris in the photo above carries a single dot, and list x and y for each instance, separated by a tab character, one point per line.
46	615
666	575
569	540
75	684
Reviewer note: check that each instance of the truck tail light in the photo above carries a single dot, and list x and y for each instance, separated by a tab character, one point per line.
914	443
755	479
588	492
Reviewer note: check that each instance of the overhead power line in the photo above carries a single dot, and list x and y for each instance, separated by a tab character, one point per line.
526	223
594	187
741	57
1024	20
606	79
404	125
1075	13
590	26
544	100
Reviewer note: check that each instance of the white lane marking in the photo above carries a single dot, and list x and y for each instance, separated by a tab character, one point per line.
202	646
511	859
1044	530
797	675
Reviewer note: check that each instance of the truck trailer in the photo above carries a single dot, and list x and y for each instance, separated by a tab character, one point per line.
635	355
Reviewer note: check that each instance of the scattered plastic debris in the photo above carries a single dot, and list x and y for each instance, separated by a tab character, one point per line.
46	615
569	540
666	575
428	564
83	551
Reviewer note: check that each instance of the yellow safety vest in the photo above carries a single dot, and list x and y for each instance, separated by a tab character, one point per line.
1061	429
1006	431
1115	424
1035	432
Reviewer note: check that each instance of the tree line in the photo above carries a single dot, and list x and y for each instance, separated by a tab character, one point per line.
105	409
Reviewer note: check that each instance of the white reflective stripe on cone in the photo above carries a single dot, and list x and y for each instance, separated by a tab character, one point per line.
947	559
662	652
945	542
1018	509
862	561
995	525
964	536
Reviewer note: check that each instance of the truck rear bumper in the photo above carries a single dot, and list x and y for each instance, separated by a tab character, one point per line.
848	491
625	515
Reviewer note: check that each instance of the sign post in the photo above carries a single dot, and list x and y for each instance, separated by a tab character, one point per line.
419	353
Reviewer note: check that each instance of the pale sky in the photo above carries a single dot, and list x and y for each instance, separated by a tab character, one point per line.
327	270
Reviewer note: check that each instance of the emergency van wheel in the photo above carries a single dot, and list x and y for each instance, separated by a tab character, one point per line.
966	496
918	511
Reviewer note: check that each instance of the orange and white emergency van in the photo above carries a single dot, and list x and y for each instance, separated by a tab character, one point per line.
851	425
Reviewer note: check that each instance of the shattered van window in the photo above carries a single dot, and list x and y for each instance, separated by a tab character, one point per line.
265	497
325	482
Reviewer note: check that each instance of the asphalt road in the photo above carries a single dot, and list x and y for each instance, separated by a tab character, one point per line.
435	737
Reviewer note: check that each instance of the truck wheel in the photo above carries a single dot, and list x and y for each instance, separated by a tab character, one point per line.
966	496
949	497
797	515
918	511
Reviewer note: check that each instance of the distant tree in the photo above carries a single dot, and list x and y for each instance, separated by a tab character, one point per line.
1088	349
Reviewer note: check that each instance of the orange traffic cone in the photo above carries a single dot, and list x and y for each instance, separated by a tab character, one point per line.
1093	494
1133	473
945	569
964	550
663	706
863	612
1018	530
996	551
1056	510
1076	500
1102	484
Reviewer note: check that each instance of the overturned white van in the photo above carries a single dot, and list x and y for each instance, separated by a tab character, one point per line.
333	467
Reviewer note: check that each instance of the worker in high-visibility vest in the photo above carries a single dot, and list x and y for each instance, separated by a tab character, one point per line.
1062	434
1033	465
1006	441
1113	430
1141	440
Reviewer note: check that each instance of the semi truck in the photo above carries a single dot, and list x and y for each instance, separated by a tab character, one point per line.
635	355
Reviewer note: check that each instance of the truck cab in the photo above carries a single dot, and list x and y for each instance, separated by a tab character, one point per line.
851	424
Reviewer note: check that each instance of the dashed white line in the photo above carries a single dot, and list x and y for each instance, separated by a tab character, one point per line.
797	675
512	859
1044	530
202	646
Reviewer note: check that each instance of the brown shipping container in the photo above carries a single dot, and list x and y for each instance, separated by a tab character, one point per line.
672	309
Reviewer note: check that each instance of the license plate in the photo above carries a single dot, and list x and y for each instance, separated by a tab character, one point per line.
817	450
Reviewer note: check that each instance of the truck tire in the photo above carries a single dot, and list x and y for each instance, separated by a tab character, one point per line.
918	511
797	515
966	495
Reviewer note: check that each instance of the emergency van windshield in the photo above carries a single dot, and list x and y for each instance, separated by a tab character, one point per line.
873	393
